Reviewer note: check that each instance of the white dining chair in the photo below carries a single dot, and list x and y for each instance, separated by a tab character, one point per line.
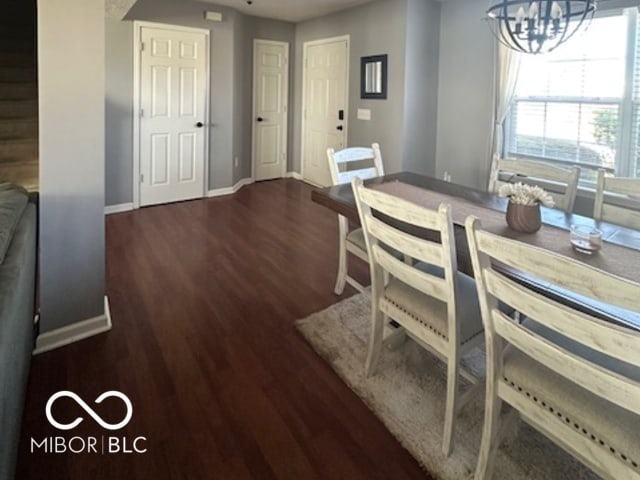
435	304
617	200
560	183
572	376
345	165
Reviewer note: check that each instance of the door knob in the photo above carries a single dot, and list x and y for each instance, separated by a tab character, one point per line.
339	127
199	124
259	119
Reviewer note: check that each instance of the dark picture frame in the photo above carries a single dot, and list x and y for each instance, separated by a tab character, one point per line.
373	77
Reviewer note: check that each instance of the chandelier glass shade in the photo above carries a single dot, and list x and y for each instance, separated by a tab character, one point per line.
538	26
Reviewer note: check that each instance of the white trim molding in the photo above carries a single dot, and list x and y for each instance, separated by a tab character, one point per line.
294	175
219	192
297	176
75	332
119	208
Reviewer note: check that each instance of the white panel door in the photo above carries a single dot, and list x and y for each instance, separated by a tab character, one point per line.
270	91
325	96
173	95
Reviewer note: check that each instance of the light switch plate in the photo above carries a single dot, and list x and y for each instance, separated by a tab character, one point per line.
364	114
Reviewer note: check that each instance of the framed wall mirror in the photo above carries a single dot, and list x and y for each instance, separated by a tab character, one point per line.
373	76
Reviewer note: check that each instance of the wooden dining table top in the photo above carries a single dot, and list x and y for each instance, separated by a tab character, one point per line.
340	199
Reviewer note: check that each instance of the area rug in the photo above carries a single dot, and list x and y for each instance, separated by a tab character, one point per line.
408	394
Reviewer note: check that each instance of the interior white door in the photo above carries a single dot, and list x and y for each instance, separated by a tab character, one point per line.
325	106
270	91
173	95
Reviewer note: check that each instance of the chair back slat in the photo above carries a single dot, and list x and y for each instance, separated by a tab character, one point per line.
364	173
623	186
534	169
426	283
617	200
561	183
419	249
350	155
620	216
401	209
561	271
353	154
600	336
605	383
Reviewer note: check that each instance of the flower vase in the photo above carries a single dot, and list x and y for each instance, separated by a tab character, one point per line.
523	218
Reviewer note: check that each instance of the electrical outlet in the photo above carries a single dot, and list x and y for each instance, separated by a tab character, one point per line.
235	161
447	177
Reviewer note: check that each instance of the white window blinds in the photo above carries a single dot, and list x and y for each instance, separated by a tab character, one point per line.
574	106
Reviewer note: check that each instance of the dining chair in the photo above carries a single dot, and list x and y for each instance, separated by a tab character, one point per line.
570	375
617	200
560	183
436	305
345	165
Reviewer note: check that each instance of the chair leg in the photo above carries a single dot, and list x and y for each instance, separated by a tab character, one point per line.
450	410
375	340
490	434
342	262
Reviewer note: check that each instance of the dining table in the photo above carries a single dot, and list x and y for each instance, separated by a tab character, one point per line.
619	255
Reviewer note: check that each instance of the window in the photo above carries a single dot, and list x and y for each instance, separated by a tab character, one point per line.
580	104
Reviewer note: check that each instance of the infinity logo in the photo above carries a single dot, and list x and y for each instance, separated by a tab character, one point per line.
89	410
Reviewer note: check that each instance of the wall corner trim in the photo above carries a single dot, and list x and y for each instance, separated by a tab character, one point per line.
75	332
294	175
119	208
218	192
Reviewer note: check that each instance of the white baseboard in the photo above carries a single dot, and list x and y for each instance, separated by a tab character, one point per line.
218	192
294	175
297	176
126	207
76	331
122	207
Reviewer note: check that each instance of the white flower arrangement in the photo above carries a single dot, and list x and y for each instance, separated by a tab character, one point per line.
523	194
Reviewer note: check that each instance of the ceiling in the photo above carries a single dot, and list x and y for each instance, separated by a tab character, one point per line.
288	10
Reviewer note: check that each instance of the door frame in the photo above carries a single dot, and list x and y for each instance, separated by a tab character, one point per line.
137	27
285	87
305	47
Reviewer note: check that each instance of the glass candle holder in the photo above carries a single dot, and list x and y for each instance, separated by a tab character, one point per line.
585	239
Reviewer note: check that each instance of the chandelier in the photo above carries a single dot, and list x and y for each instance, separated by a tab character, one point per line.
537	26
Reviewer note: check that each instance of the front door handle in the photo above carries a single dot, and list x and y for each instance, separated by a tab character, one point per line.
259	119
199	124
340	127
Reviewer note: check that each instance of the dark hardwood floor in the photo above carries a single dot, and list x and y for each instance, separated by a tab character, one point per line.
203	298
